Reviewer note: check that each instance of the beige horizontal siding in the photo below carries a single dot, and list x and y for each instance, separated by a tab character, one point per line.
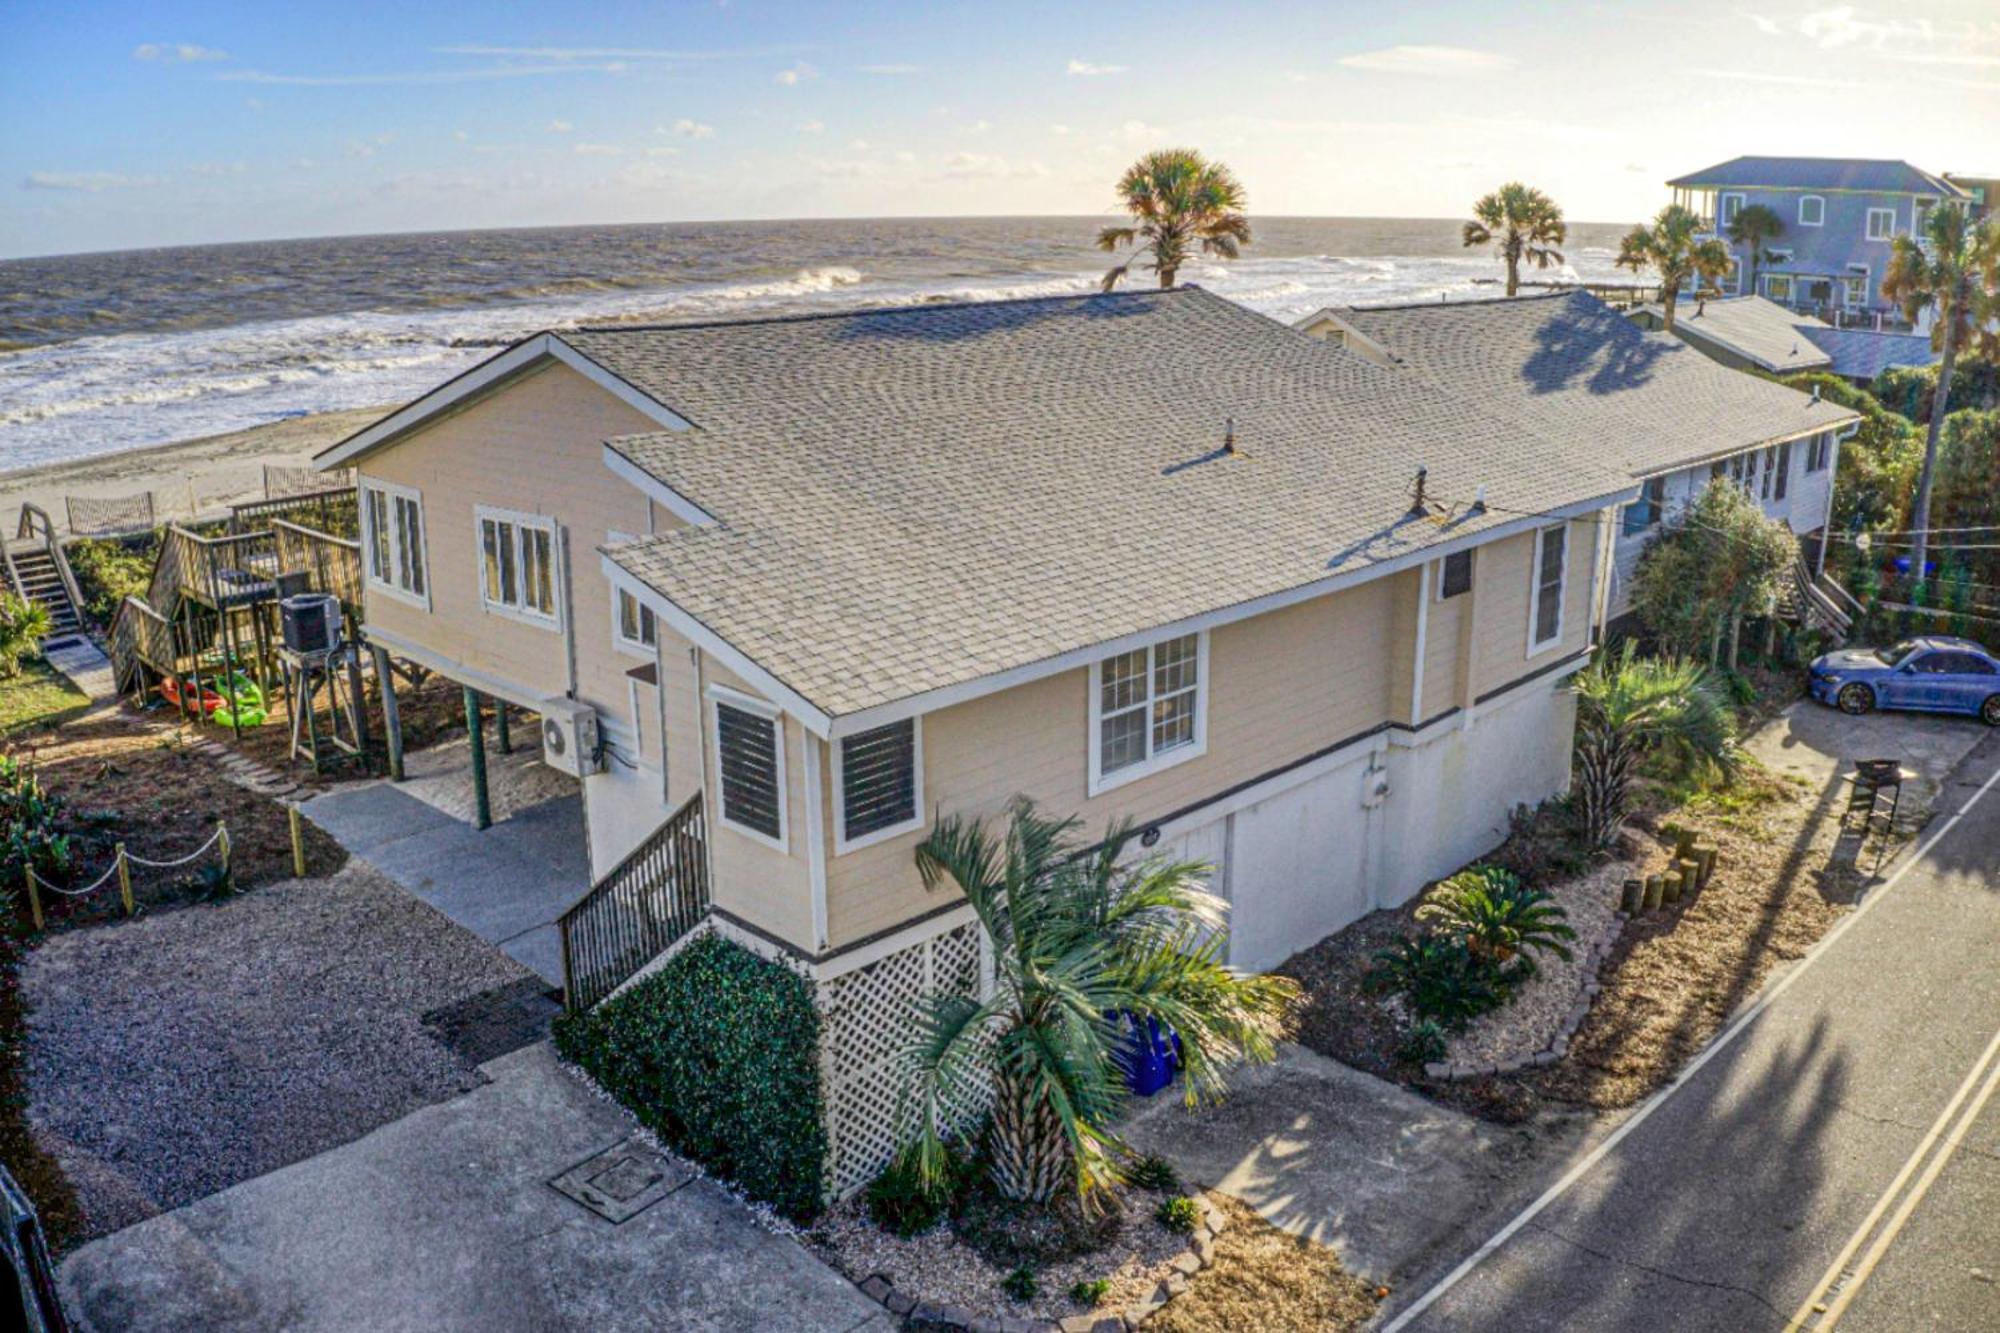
752	880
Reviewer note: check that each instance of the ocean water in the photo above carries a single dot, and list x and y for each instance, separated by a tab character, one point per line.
106	352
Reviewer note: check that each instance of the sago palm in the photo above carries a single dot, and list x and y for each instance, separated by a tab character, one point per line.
1078	942
1673	247
1629	707
1952	277
1754	227
1180	202
1520	223
1497	916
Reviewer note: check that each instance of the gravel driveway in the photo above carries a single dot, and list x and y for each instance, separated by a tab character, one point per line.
173	1056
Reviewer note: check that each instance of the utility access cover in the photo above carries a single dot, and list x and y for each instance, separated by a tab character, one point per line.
623	1181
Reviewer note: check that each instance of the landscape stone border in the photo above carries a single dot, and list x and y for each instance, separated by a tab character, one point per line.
1184	1266
1452	1071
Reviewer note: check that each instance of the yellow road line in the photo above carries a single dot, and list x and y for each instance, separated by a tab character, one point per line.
1815	1306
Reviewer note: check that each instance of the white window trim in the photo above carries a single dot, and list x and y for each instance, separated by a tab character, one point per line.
1868	227
1771	280
1100	781
387	589
1723	217
638	648
522	522
842	844
1554	641
749	703
1867	276
1819	199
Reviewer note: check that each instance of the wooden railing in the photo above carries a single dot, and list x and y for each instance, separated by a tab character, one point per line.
141	634
1815	606
38	528
334	563
332	512
631	916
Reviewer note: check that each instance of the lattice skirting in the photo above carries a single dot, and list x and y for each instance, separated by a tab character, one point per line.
867	1018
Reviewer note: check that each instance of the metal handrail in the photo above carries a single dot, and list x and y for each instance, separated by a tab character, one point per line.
649	900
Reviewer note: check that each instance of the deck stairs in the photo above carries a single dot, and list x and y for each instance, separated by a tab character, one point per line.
33	567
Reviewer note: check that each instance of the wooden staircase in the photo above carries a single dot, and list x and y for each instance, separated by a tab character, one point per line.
35	569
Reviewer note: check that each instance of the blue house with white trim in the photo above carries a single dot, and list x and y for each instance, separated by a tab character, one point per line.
1840	216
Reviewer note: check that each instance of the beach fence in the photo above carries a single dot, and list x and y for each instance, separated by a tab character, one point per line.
109	516
282	482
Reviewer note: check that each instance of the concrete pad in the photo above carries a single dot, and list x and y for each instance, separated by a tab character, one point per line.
369	815
539	950
446	1220
442	776
1821	744
1321	1150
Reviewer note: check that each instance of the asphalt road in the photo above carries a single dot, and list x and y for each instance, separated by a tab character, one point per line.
1843	1151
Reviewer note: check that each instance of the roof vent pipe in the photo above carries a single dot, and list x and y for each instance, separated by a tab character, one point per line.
1815	396
1229	435
1479	499
1418	506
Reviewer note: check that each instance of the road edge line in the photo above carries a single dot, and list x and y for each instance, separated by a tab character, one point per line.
1772	990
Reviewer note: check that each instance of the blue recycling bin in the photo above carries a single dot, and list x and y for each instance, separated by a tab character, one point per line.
1148	1056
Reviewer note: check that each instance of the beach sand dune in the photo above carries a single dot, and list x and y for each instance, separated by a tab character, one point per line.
215	471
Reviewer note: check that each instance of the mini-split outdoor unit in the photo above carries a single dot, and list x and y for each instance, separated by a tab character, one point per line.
569	736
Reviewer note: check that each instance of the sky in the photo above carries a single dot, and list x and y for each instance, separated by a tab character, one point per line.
148	122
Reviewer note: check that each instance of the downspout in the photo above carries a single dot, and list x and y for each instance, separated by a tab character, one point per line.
815	751
1417	661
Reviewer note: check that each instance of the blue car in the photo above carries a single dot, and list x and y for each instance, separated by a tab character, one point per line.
1934	674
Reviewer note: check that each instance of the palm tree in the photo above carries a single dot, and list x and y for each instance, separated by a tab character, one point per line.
1753	227
1520	223
1178	200
1078	941
1672	247
1953	280
1629	707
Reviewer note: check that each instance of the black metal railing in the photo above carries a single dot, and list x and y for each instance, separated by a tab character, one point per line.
652	898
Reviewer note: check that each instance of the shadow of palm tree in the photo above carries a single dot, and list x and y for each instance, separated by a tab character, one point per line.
1597	349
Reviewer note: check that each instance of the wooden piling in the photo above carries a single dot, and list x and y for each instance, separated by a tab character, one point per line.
125	879
500	732
1670	887
483	810
222	842
1634	897
34	896
1655	887
298	842
392	724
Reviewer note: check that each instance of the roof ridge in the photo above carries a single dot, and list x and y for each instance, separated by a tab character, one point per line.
850	312
1550	295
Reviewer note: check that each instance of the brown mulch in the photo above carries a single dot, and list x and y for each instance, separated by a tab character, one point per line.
148	788
1264	1278
430	713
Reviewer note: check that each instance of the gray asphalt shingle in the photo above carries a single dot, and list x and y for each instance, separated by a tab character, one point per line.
1764	331
1874	175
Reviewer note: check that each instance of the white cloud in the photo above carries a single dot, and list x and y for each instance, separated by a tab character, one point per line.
687	128
89	182
356	148
1919	41
1088	70
578	52
1765	24
846	168
1431	60
219	168
176	52
648	176
460	135
598	150
905	156
560	127
889	69
796	75
857	145
989	166
1058	129
411	77
979	127
812	127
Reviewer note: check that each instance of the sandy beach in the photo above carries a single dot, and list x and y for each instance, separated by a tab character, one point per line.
200	476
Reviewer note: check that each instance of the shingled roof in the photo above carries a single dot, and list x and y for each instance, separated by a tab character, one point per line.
1763	332
1872	175
1577	374
912	499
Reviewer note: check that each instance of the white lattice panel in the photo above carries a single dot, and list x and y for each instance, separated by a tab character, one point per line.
868	1023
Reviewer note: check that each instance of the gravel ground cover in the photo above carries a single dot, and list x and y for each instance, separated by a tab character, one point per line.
180	1053
937	1266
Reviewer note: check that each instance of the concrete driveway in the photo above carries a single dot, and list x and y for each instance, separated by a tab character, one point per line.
447	1220
1821	744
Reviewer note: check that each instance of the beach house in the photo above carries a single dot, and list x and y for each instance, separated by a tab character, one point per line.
1569	369
797	586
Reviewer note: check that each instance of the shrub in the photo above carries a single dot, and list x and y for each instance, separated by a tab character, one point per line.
22	625
108	570
1153	1172
214	882
1440	977
1423	1041
1021	1284
1178	1214
718	1052
1091	1292
1497	916
904	1203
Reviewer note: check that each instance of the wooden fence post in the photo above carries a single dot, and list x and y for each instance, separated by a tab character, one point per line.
222	842
34	895
124	879
298	842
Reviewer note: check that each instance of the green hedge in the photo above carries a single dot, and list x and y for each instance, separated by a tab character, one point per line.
718	1053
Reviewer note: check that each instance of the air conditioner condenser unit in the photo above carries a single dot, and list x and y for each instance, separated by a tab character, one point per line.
569	736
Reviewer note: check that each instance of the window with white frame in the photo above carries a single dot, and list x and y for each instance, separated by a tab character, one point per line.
1819	452
1881	224
1783	471
1732	204
1455	575
1546	615
392	523
750	765
1778	286
880	779
633	628
1770	470
1646	511
517	574
1812	210
1147	709
1855	283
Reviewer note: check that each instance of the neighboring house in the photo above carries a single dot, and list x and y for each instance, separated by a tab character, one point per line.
1571	369
1146	556
1744	333
1840	216
1982	193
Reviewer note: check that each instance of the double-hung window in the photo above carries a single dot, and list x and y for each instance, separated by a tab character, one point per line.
1812	210
750	765
1545	616
1148	709
1783	472
633	627
1819	452
1881	224
1645	512
879	774
1770	470
1778	286
517	565
392	520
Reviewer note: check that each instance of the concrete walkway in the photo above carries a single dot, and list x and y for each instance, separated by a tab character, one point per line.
446	1219
1325	1151
506	884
